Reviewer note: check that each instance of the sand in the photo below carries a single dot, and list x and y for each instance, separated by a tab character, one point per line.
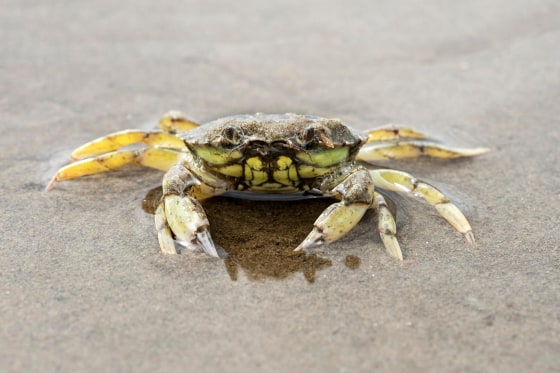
84	286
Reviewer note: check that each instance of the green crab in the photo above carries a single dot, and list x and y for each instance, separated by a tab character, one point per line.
271	154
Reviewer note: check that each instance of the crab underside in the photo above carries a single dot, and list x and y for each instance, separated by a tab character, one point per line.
271	154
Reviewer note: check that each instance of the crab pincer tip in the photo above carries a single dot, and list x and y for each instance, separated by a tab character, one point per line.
469	236
314	238
204	240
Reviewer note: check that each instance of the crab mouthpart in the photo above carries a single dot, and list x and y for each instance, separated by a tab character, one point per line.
264	149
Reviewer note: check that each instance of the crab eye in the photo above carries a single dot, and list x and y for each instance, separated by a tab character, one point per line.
307	135
315	136
231	135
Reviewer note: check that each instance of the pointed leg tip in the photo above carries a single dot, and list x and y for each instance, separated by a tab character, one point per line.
469	236
398	256
476	151
167	243
51	184
392	247
169	251
168	248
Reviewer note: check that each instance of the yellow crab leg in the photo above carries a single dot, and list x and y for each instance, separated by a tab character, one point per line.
414	149
403	182
393	132
170	124
117	140
387	227
161	159
175	122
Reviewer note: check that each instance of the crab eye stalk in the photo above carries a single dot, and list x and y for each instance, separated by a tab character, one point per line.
307	135
312	135
231	136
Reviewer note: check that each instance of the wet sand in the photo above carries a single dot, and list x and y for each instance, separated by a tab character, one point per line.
85	288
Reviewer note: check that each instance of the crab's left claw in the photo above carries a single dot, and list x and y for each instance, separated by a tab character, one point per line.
180	218
355	193
334	223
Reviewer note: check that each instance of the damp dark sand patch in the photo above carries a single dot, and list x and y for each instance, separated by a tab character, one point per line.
260	236
352	262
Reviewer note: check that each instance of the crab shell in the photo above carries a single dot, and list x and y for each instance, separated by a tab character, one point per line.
274	153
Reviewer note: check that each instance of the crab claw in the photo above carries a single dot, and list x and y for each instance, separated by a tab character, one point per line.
335	222
182	218
313	239
203	241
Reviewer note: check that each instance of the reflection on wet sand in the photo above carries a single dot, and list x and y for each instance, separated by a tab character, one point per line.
263	264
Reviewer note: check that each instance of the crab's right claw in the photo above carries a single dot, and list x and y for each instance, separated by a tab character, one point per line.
181	219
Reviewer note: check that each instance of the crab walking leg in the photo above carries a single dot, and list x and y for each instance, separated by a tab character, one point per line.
412	149
170	124
117	140
403	182
180	217
175	122
165	236
387	226
356	193
393	132
161	159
